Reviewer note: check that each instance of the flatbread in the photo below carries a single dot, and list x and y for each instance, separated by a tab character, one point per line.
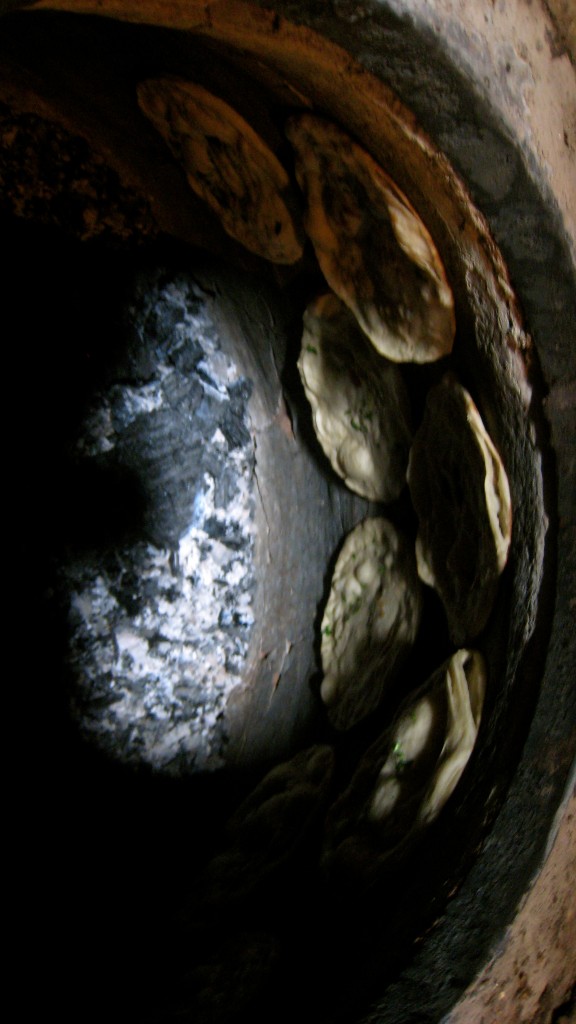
461	494
270	829
359	402
410	773
370	622
372	246
228	165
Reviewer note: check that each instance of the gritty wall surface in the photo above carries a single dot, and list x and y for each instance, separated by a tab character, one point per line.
519	61
563	14
535	972
530	78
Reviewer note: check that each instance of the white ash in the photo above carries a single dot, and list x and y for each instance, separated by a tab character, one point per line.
160	625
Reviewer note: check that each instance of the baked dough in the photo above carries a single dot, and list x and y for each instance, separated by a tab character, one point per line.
270	830
372	247
359	402
461	494
409	774
228	165
370	622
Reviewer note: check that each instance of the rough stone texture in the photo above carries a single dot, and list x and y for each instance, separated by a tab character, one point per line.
564	18
52	177
534	973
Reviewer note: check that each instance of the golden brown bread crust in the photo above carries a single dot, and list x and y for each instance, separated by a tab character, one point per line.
372	247
228	165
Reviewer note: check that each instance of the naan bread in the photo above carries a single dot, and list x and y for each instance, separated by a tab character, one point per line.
228	165
270	829
359	402
370	622
372	247
407	776
460	491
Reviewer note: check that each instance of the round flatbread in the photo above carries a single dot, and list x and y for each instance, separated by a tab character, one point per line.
370	622
372	246
409	774
359	401
461	494
270	829
228	165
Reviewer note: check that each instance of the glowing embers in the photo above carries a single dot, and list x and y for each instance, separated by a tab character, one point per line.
161	615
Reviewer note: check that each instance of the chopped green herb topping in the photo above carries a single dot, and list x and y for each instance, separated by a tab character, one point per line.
352	608
399	759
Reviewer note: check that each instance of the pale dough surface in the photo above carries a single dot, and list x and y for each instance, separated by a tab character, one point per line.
359	402
370	621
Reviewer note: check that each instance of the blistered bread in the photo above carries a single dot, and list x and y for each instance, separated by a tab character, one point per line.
407	777
372	246
270	829
461	495
370	622
359	403
228	165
